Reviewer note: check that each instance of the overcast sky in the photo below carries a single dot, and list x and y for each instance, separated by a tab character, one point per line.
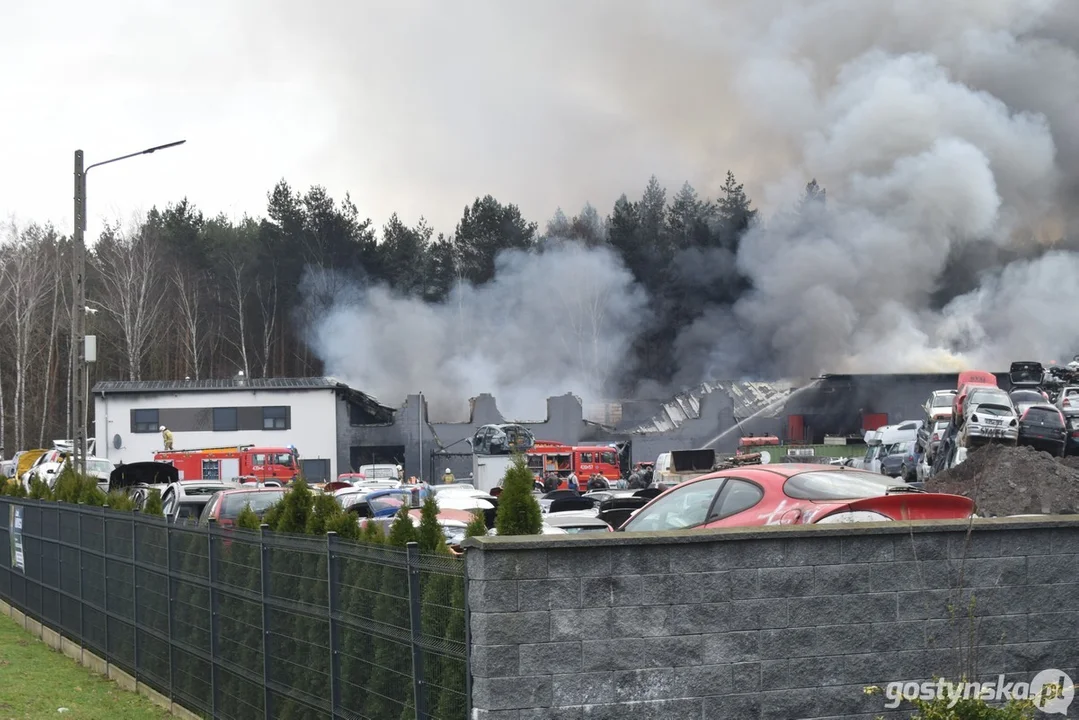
410	106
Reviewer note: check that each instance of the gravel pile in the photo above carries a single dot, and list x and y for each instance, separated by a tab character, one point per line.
1004	480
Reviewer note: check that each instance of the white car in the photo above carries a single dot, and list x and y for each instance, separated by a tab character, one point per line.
939	405
990	422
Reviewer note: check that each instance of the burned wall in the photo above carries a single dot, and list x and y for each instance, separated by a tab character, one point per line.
430	447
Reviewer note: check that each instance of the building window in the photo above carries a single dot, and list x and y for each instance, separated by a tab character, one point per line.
275	418
225	420
144	421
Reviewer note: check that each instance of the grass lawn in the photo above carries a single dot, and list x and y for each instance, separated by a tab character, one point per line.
36	681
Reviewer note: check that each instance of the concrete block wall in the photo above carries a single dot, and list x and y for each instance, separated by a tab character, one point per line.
777	622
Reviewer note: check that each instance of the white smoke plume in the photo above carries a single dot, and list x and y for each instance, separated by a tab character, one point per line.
944	131
550	323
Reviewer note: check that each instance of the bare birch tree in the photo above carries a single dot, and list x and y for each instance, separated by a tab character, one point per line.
191	302
238	292
267	299
129	267
26	271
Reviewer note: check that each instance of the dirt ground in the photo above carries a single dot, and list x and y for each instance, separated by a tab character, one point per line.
1006	480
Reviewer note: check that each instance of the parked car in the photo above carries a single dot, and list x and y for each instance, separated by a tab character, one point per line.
929	438
1043	427
225	506
792	494
1023	399
899	460
989	421
1068	401
183	501
577	522
939	405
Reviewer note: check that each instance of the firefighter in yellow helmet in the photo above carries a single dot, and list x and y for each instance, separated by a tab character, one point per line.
166	437
447	477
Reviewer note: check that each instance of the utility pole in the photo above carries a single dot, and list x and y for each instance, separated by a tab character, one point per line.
421	437
78	321
79	373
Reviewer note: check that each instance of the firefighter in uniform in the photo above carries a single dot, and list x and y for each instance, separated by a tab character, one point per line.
447	477
166	436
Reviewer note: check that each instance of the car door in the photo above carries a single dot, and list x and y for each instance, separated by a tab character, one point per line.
738	504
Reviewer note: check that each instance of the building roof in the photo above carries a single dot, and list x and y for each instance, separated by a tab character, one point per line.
749	399
369	403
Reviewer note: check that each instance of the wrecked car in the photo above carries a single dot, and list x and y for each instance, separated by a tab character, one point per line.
505	439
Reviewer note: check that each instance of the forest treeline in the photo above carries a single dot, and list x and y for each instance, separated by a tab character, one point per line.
183	294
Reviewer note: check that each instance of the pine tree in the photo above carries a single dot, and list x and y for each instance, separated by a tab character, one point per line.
518	511
431	537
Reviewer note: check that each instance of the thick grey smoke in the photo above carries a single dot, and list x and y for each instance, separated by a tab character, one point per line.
551	323
944	131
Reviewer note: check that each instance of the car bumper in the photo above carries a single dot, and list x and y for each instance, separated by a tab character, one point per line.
982	432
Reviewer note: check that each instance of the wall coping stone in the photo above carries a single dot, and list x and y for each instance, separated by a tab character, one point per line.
685	537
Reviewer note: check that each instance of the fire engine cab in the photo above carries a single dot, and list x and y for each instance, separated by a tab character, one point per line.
226	463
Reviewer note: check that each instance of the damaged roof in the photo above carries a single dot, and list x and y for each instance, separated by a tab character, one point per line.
369	404
749	398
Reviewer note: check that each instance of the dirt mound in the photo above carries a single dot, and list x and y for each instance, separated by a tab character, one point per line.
1004	480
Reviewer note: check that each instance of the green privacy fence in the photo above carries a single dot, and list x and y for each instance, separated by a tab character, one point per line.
238	624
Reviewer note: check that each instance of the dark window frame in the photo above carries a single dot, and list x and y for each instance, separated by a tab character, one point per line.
144	426
223	426
279	417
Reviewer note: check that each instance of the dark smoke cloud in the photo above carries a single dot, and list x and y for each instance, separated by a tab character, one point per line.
944	131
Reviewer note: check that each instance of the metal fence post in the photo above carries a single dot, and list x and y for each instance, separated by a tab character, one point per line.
82	594
211	561
135	587
412	564
105	581
264	572
171	599
332	584
468	638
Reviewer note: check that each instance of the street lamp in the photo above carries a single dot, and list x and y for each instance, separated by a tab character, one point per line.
78	310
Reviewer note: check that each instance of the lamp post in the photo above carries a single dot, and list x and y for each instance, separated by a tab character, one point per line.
78	310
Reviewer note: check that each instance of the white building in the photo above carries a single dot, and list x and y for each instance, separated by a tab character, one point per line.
304	412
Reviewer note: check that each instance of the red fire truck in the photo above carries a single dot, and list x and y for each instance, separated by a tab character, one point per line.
237	461
584	460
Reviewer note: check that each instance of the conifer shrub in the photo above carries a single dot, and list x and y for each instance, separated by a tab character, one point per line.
518	510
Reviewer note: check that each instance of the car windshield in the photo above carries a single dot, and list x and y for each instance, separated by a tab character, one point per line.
940	427
943	401
994	410
824	485
98	466
1027	396
283	459
1049	416
380	472
684	507
260	502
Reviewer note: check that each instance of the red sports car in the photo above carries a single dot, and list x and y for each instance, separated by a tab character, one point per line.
792	494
